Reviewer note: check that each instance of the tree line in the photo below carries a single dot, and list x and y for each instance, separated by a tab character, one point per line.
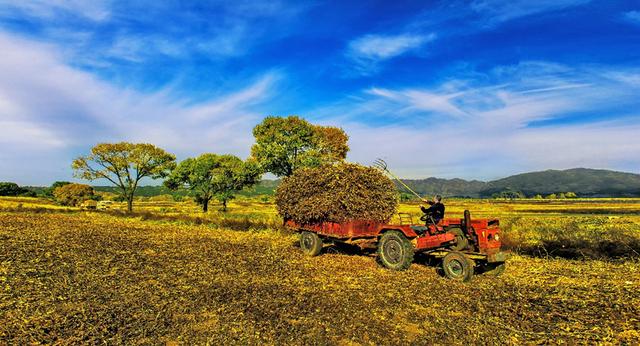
282	145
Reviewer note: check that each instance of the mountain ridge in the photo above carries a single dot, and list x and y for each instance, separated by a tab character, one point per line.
587	182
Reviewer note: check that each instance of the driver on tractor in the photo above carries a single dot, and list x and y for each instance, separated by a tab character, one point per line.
436	210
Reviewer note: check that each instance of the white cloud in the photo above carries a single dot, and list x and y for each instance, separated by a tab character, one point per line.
378	47
53	112
422	100
131	31
369	50
499	123
632	16
496	11
94	10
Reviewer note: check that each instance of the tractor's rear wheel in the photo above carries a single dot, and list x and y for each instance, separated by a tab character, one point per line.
310	243
395	251
457	266
462	242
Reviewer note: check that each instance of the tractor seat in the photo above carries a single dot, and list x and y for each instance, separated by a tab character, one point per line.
420	229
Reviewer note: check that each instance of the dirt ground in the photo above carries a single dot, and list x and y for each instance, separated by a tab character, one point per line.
69	278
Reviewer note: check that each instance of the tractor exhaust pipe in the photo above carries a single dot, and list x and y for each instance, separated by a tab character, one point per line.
467	221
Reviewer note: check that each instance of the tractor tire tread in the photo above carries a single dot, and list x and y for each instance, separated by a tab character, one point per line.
408	251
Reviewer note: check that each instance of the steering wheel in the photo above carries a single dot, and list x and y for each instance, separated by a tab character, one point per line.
425	217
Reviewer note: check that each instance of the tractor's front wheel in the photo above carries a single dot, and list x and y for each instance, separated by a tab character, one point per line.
310	243
457	266
395	251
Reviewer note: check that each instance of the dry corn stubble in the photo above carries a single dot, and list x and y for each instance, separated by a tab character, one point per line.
89	278
336	193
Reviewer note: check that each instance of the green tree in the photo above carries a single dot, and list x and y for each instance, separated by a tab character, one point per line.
538	196
74	194
570	195
404	197
508	194
11	189
213	176
284	144
551	196
48	192
331	144
124	165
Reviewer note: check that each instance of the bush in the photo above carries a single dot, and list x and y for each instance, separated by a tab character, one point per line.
28	193
508	194
336	193
73	194
119	198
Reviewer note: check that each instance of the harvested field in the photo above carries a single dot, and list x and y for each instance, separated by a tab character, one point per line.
94	278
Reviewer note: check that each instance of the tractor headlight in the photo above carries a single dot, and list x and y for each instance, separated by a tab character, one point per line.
497	237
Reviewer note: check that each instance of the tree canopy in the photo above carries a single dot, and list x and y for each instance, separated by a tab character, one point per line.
48	192
124	164
213	176
284	144
11	189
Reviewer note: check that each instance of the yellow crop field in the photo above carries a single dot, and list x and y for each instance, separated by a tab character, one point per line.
167	273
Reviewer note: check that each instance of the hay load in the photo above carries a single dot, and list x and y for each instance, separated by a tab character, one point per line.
336	193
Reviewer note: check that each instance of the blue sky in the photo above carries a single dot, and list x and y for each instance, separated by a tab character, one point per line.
473	89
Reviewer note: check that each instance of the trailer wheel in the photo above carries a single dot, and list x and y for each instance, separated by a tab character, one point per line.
395	251
310	243
494	269
461	240
457	266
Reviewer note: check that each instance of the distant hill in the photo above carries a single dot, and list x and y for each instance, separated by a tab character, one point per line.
584	182
446	187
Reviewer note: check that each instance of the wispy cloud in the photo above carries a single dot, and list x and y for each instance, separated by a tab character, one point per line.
140	32
412	100
370	50
496	11
378	47
95	10
54	112
444	22
632	16
519	117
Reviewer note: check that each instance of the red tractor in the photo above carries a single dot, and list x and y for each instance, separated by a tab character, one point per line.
461	246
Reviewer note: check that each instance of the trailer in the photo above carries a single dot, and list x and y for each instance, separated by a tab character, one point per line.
461	246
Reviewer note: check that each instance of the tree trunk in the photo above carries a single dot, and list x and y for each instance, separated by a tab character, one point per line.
205	205
130	203
224	205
